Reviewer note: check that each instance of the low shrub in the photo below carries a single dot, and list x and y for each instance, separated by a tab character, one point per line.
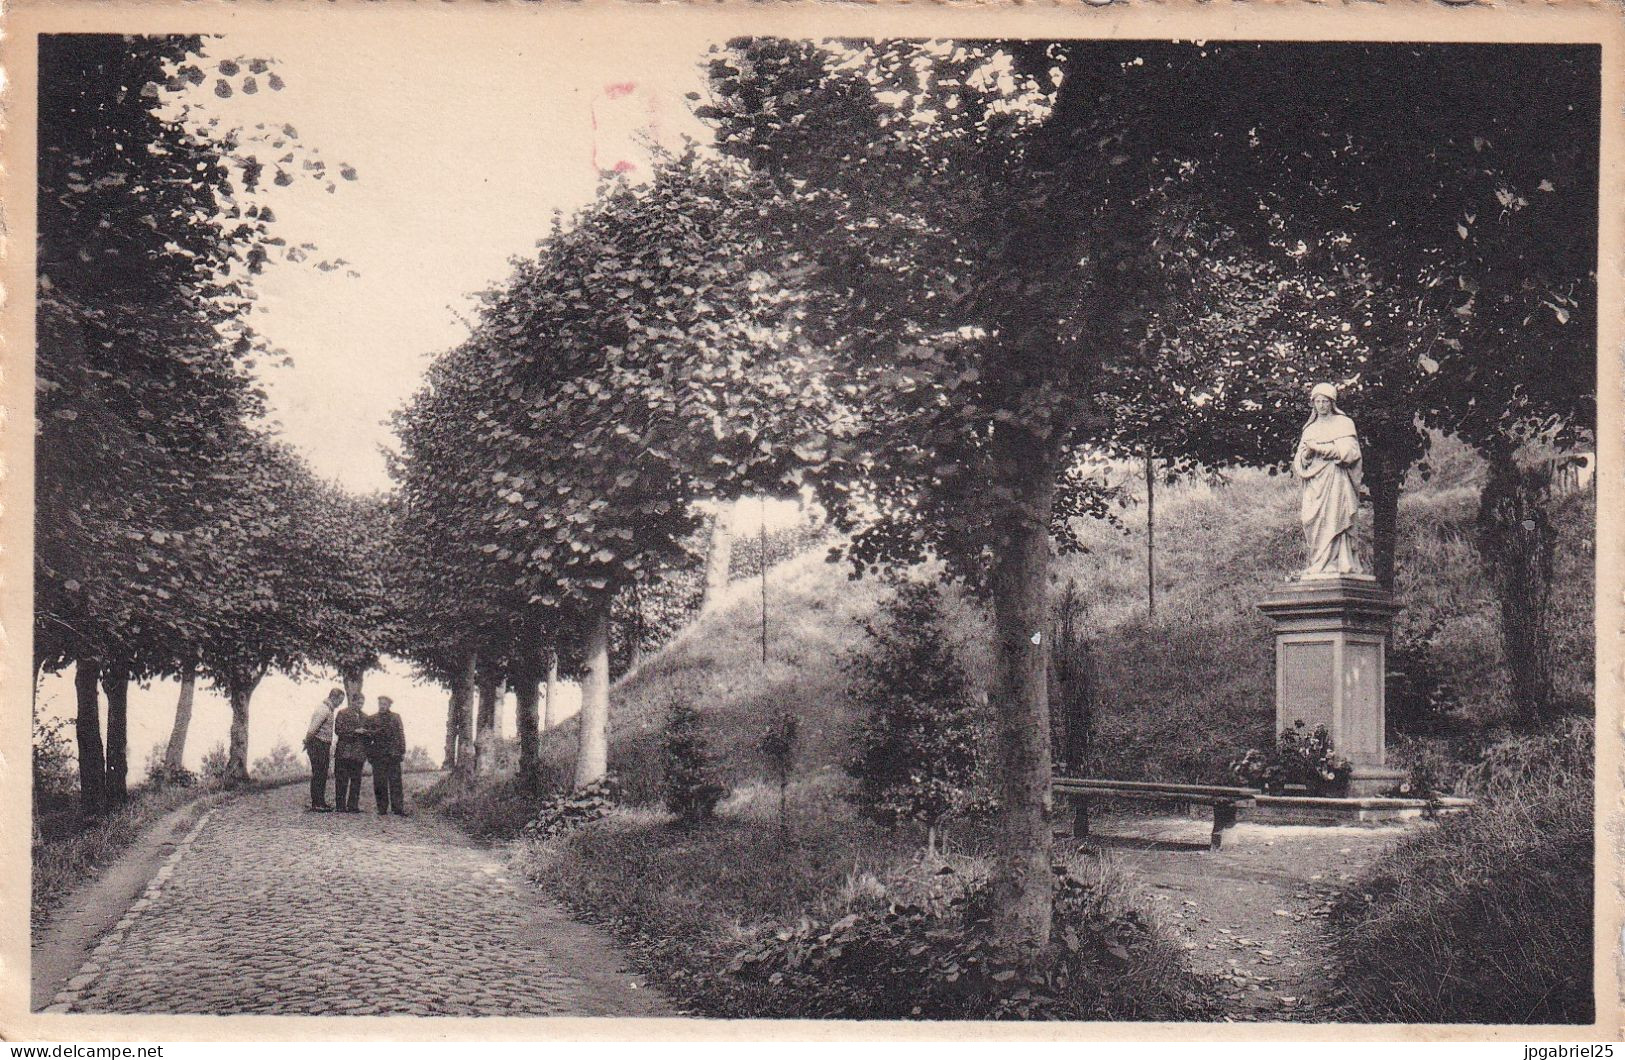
418	760
780	743
160	775
1488	917
56	763
281	764
573	809
1420	698
1433	766
1299	756
214	764
689	786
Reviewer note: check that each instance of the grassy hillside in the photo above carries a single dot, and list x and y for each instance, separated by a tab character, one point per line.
1178	696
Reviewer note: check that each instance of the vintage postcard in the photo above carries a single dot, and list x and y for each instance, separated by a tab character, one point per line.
615	520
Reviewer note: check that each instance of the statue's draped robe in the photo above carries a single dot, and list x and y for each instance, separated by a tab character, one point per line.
1331	495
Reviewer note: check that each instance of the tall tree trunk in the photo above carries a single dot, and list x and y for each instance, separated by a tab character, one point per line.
634	656
1518	547
175	752
116	683
352	677
554	706
462	763
498	705
1150	536
1384	480
522	674
240	689
1023	888
719	557
592	748
449	759
88	734
485	723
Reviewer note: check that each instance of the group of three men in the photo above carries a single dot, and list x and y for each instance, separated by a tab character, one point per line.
377	738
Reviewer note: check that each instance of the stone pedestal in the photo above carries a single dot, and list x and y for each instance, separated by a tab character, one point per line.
1330	667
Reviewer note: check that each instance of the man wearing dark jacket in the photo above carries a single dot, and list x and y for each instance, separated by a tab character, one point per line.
387	750
349	755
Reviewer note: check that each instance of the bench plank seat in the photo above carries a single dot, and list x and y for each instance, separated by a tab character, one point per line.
1225	801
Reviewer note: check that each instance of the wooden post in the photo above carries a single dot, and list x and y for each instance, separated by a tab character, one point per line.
1150	537
762	539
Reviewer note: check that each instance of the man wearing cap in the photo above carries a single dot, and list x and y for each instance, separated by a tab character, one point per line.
319	746
388	748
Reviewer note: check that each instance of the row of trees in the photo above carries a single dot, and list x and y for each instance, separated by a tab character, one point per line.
931	279
173	536
556	462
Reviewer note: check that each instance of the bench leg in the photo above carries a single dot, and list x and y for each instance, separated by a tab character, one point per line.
1223	817
1080	817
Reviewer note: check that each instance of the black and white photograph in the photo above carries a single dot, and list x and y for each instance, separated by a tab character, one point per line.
651	513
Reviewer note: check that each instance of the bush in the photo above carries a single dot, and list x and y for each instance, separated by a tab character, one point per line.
418	759
215	763
1299	757
689	785
933	958
1421	700
160	775
780	743
569	811
1488	917
56	762
281	764
1432	766
916	756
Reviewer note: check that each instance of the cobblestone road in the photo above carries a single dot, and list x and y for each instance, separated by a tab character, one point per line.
273	910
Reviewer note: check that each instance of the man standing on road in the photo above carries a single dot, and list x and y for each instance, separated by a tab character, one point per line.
387	750
349	755
319	745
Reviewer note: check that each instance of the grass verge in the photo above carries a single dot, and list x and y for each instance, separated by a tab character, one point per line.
67	853
1487	918
687	903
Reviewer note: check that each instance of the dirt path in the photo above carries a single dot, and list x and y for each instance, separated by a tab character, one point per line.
262	908
1250	913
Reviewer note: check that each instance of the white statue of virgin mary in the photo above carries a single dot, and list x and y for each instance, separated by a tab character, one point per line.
1328	462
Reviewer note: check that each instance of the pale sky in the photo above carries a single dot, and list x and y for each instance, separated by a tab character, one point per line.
461	166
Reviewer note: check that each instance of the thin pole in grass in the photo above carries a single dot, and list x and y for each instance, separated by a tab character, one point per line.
1150	536
761	537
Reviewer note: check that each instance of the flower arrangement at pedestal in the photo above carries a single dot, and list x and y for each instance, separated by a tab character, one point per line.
1300	757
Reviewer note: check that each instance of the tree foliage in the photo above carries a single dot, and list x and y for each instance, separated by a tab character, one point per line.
150	234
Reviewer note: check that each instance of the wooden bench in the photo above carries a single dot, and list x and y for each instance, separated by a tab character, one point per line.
1224	801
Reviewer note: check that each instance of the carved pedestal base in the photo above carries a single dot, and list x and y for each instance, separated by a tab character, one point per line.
1329	667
